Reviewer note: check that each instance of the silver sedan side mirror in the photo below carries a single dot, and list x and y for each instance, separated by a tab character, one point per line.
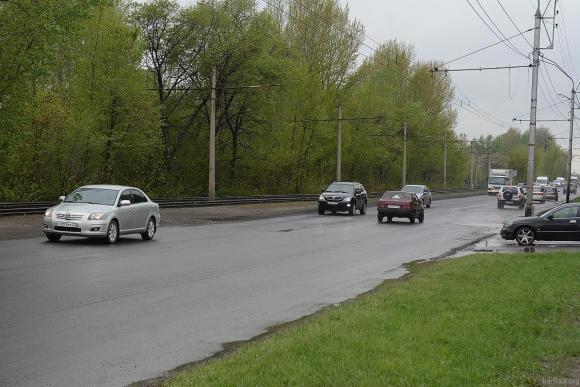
61	198
125	203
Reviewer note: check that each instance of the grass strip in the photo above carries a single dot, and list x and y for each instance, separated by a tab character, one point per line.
483	319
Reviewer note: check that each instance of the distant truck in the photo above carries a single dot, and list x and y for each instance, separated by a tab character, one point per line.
498	178
542	181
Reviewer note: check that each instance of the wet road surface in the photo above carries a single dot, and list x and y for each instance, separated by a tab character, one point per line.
83	313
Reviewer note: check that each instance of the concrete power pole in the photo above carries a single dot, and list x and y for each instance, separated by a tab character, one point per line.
405	154
445	165
533	108
211	185
471	165
572	102
339	144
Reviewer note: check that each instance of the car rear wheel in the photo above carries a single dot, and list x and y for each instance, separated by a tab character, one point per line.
53	237
363	210
379	219
499	204
389	219
428	205
150	231
320	211
412	218
112	232
421	218
525	236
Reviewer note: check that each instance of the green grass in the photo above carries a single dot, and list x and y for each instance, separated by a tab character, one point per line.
482	319
577	199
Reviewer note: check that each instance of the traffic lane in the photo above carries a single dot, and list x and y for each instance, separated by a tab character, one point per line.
83	313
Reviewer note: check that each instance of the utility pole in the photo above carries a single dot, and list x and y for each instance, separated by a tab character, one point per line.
339	144
572	103
533	109
211	185
405	154
476	167
489	161
445	165
471	166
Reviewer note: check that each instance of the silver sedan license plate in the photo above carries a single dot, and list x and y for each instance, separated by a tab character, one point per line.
67	224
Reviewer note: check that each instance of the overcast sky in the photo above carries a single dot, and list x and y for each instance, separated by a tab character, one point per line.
445	30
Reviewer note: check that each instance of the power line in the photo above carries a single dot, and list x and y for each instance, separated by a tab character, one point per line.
540	109
565	36
514	24
510	44
511	47
479	107
478	114
482	68
485	48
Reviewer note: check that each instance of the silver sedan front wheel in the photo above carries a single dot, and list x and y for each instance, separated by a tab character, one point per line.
525	236
112	232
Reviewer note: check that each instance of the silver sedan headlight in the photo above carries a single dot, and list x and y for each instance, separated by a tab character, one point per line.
48	213
321	198
347	200
97	216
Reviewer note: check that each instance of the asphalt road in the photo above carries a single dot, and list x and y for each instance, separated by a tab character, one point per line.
80	313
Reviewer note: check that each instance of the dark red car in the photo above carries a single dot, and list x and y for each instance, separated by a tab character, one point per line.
399	204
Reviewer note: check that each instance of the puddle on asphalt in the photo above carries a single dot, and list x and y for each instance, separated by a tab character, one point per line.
495	244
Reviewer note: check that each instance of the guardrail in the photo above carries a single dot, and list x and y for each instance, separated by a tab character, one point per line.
30	208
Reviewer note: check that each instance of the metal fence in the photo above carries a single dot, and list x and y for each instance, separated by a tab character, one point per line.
29	208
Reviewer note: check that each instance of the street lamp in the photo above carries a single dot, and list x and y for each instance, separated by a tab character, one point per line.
572	105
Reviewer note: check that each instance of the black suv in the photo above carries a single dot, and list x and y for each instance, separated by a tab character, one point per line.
343	196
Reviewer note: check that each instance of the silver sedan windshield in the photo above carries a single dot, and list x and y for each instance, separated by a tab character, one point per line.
102	196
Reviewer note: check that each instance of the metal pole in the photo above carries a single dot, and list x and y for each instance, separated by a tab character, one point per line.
489	162
339	144
533	108
445	165
471	165
405	154
476	166
211	185
572	97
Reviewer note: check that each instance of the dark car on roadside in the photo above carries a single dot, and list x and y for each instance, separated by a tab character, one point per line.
551	193
400	204
560	223
511	195
343	196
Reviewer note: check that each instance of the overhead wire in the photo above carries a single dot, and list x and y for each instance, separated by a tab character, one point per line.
565	36
479	107
484	48
514	23
514	48
511	47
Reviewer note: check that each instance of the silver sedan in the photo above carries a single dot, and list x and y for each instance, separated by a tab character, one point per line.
422	193
104	211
